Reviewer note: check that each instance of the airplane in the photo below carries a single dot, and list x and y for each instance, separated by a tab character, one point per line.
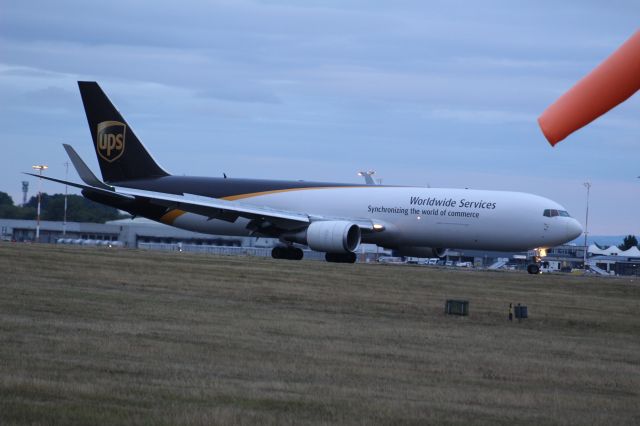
328	217
367	177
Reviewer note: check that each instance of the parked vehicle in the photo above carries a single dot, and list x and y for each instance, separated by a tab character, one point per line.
548	266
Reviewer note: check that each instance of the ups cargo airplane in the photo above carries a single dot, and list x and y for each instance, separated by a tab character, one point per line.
329	217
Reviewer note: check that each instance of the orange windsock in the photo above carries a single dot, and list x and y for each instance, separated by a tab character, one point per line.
611	83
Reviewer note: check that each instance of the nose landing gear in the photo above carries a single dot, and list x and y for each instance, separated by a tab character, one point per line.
535	256
533	268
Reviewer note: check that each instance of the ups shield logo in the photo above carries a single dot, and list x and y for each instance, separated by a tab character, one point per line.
110	140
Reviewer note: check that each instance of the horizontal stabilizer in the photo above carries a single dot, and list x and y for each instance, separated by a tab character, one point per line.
83	170
111	193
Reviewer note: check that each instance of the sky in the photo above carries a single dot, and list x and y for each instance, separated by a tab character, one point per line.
426	93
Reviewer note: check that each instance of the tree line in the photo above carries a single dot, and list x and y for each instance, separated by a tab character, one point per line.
628	242
79	209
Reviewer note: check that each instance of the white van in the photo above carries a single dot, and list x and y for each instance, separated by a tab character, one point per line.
549	266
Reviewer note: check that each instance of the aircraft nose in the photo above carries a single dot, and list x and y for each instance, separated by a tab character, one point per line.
574	229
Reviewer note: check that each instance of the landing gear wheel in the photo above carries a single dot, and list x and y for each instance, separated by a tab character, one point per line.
278	252
341	257
289	253
295	253
533	269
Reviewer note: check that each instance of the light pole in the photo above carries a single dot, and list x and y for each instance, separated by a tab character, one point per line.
39	168
586	226
66	177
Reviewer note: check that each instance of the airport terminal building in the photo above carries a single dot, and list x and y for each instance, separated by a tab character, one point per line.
131	233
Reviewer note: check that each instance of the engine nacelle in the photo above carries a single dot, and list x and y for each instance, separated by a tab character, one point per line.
419	251
333	236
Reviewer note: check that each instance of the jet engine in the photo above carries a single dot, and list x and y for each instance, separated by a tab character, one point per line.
333	236
419	251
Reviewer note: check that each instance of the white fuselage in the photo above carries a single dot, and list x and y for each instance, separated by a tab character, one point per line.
419	217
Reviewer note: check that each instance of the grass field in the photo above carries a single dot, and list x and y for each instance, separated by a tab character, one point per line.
102	336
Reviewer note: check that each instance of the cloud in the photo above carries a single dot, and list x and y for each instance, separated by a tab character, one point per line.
438	90
490	117
50	98
239	93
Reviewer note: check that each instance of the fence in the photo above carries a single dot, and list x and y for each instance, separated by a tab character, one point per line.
223	250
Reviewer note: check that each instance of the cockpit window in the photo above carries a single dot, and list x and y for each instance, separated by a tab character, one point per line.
554	212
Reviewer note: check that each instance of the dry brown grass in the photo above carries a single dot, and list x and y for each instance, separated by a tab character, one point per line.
98	336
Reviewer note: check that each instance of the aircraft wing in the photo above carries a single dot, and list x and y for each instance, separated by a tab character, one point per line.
214	208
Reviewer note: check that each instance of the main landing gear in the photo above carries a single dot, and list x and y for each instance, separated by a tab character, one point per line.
341	257
294	253
289	253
